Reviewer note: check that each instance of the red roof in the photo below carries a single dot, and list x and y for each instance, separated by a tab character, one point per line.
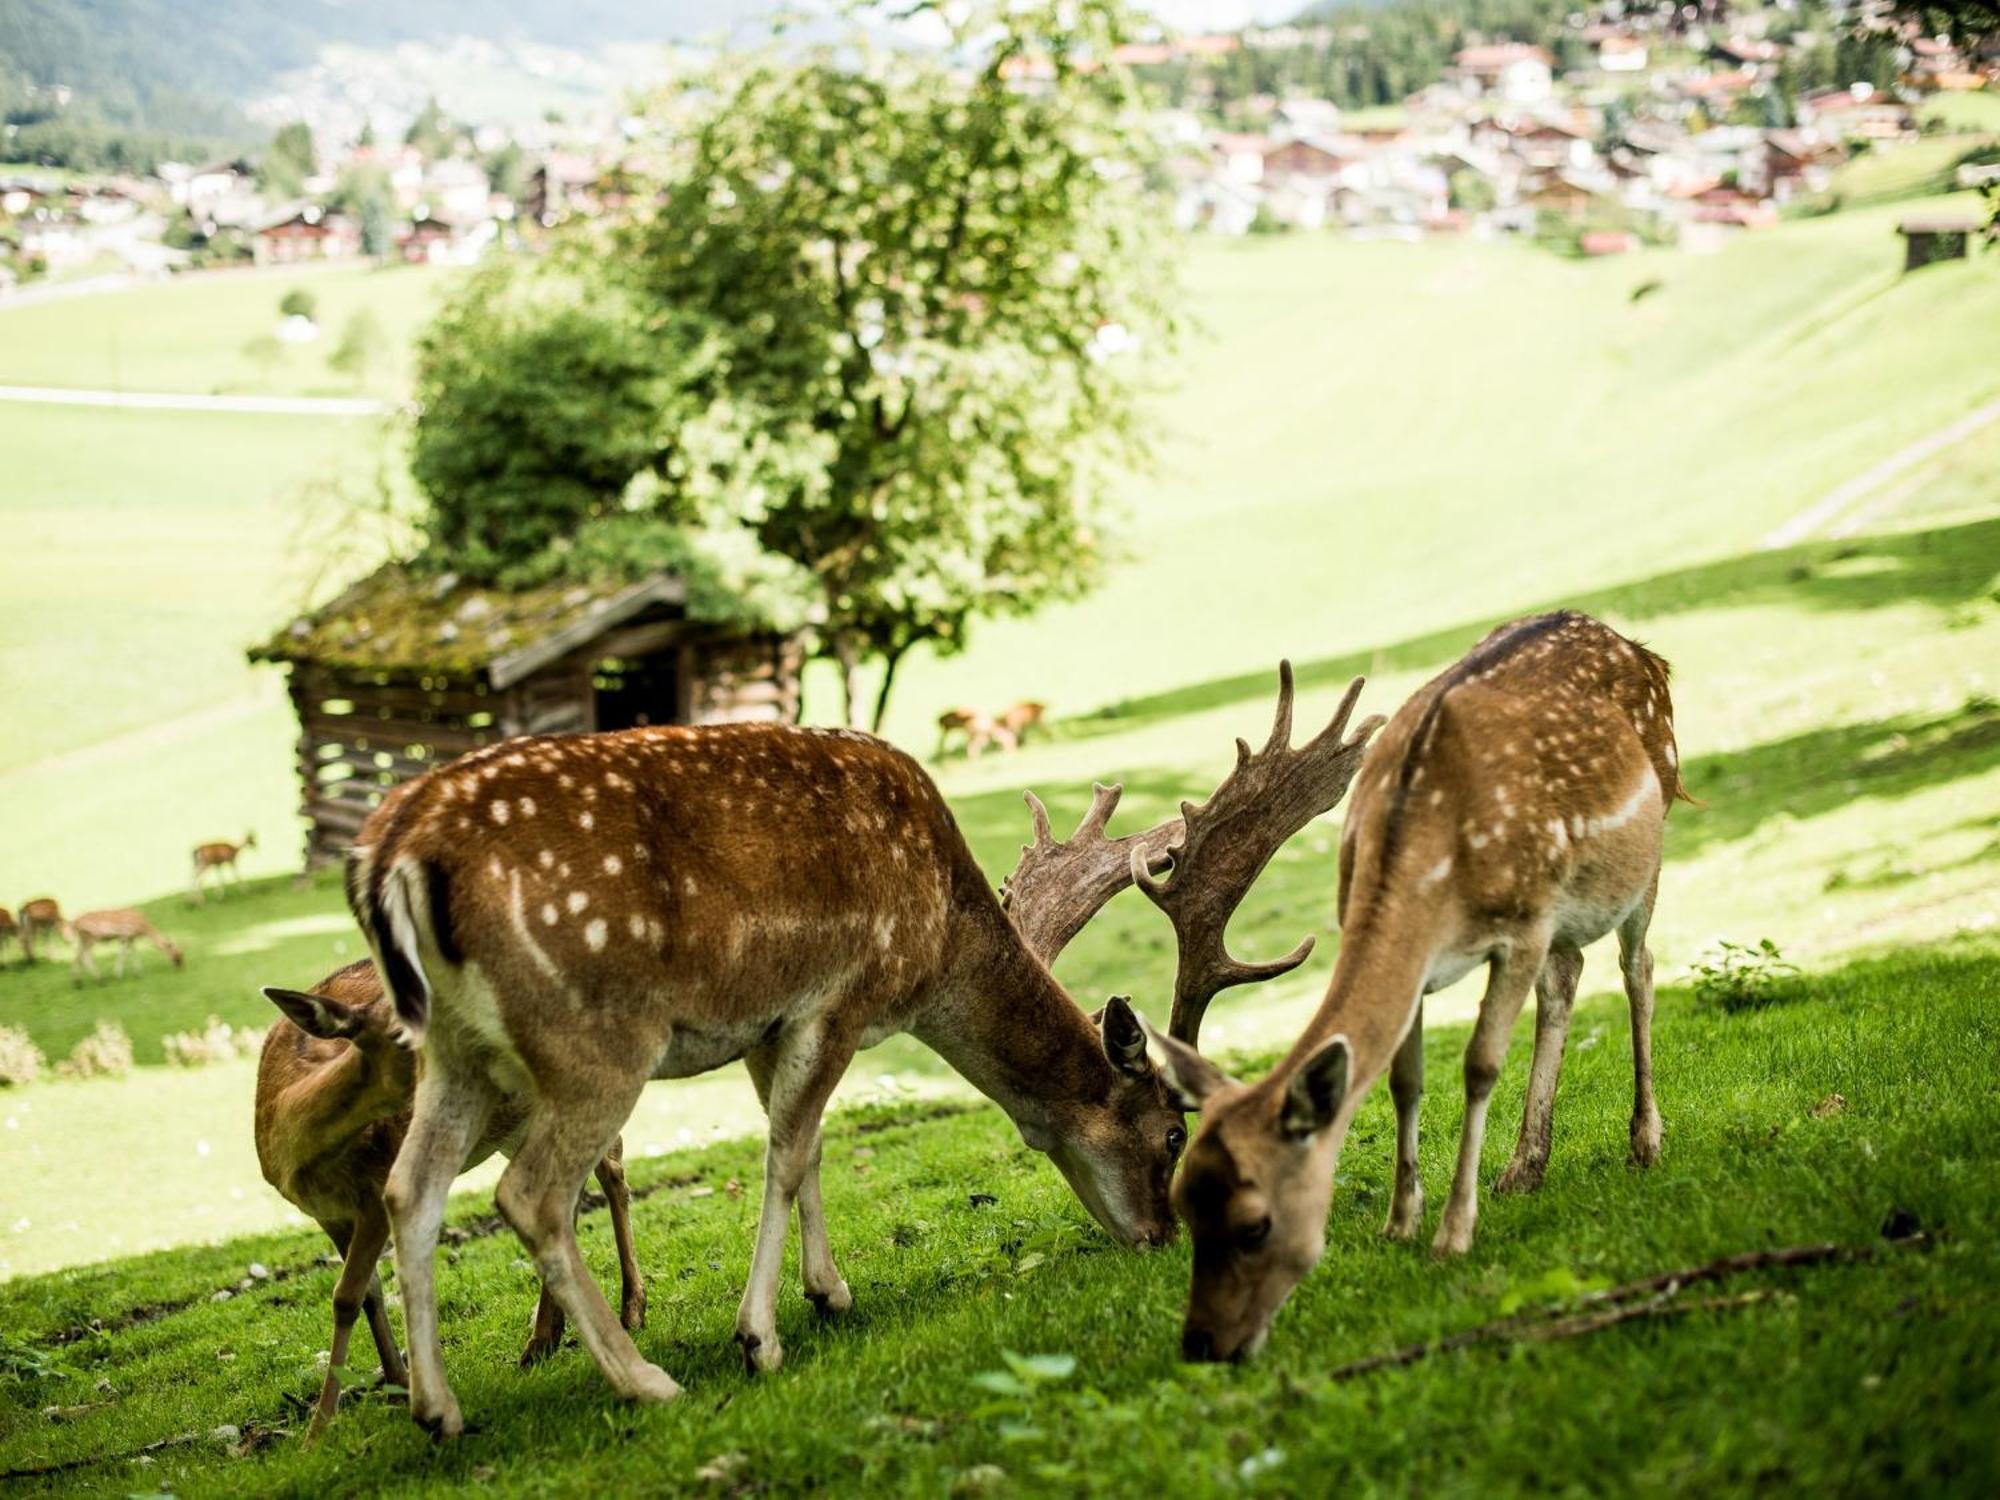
1606	242
1494	56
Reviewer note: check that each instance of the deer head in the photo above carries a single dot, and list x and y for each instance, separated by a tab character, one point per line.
350	1006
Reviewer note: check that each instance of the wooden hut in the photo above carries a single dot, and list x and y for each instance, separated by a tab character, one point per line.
1937	237
403	672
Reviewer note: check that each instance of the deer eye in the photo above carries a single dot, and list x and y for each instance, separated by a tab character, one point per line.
1250	1236
1176	1139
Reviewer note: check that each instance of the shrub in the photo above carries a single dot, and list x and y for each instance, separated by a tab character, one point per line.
217	1041
298	303
1740	976
105	1053
21	1061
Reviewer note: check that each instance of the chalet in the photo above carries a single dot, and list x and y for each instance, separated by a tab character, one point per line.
1937	237
1621	52
1512	71
1798	162
1241	156
1312	158
404	672
303	232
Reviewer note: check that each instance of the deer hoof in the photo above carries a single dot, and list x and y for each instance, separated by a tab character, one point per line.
1451	1241
633	1314
1646	1141
538	1350
1405	1219
446	1421
832	1303
761	1356
652	1384
1523	1175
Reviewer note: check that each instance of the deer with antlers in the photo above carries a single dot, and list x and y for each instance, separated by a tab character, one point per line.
559	920
216	861
334	1088
1511	814
122	926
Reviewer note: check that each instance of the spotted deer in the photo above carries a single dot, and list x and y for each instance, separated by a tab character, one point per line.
559	920
122	926
1511	814
216	861
40	918
10	930
334	1088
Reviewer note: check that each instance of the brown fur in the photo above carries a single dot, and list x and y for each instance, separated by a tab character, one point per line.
122	926
40	918
1510	813
331	1113
562	919
10	930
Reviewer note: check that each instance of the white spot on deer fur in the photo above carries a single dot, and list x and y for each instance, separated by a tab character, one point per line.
688	886
1673	756
545	859
885	932
548	914
586	821
499	811
594	934
613	864
636	925
1478	840
1559	834
517	759
527	806
1435	873
578	900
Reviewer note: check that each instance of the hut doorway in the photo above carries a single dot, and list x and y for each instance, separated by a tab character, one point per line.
631	694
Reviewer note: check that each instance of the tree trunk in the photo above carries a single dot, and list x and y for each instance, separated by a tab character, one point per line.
846	651
890	659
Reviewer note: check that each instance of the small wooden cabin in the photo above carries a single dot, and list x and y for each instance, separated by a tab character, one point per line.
403	672
1940	237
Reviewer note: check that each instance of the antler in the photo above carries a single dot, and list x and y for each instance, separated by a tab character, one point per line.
1059	885
1201	875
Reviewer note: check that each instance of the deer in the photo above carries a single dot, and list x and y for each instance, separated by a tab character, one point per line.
9	928
122	926
975	725
1511	814
334	1088
40	918
559	920
1014	722
218	859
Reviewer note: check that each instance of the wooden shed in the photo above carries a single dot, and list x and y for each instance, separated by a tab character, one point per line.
1939	237
403	672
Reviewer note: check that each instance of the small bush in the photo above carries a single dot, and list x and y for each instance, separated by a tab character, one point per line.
217	1041
298	303
21	1061
105	1053
1742	976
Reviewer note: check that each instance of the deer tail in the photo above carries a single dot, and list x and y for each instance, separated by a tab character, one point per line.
404	908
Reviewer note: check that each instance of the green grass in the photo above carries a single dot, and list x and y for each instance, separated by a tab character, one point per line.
1963	113
1867	1377
1913	169
192	334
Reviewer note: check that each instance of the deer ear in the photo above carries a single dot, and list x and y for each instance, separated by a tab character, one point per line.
316	1015
1317	1090
1124	1040
1190	1076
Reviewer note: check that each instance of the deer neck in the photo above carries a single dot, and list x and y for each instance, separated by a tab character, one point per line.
1385	959
338	1100
1010	1030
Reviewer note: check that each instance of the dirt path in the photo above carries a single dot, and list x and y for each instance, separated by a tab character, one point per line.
290	406
1843	502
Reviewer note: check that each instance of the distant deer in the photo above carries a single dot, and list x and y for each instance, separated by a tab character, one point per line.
979	729
122	926
334	1089
1017	719
561	919
1511	814
10	930
40	918
218	860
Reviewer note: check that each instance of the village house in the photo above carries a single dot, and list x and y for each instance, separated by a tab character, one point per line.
1513	72
403	672
1799	162
302	232
1620	52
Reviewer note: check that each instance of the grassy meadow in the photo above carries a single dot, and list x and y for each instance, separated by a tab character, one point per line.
1372	453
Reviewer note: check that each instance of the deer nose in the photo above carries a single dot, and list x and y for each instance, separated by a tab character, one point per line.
1197	1345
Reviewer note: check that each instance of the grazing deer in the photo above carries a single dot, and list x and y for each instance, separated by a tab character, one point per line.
974	726
333	1104
559	920
1511	814
1014	722
40	918
122	926
218	859
9	928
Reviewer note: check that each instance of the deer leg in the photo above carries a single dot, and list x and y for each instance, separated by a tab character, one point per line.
1635	959
1406	1087
824	1286
124	955
450	1111
537	1196
1555	994
1508	981
394	1371
804	1064
546	1332
618	1200
357	1271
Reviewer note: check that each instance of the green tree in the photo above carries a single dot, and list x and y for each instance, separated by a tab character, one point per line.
926	293
298	303
432	131
361	347
288	161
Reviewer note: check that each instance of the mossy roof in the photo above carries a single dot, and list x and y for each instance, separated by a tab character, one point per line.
396	620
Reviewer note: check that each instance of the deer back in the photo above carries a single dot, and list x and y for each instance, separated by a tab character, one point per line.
1512	775
692	880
